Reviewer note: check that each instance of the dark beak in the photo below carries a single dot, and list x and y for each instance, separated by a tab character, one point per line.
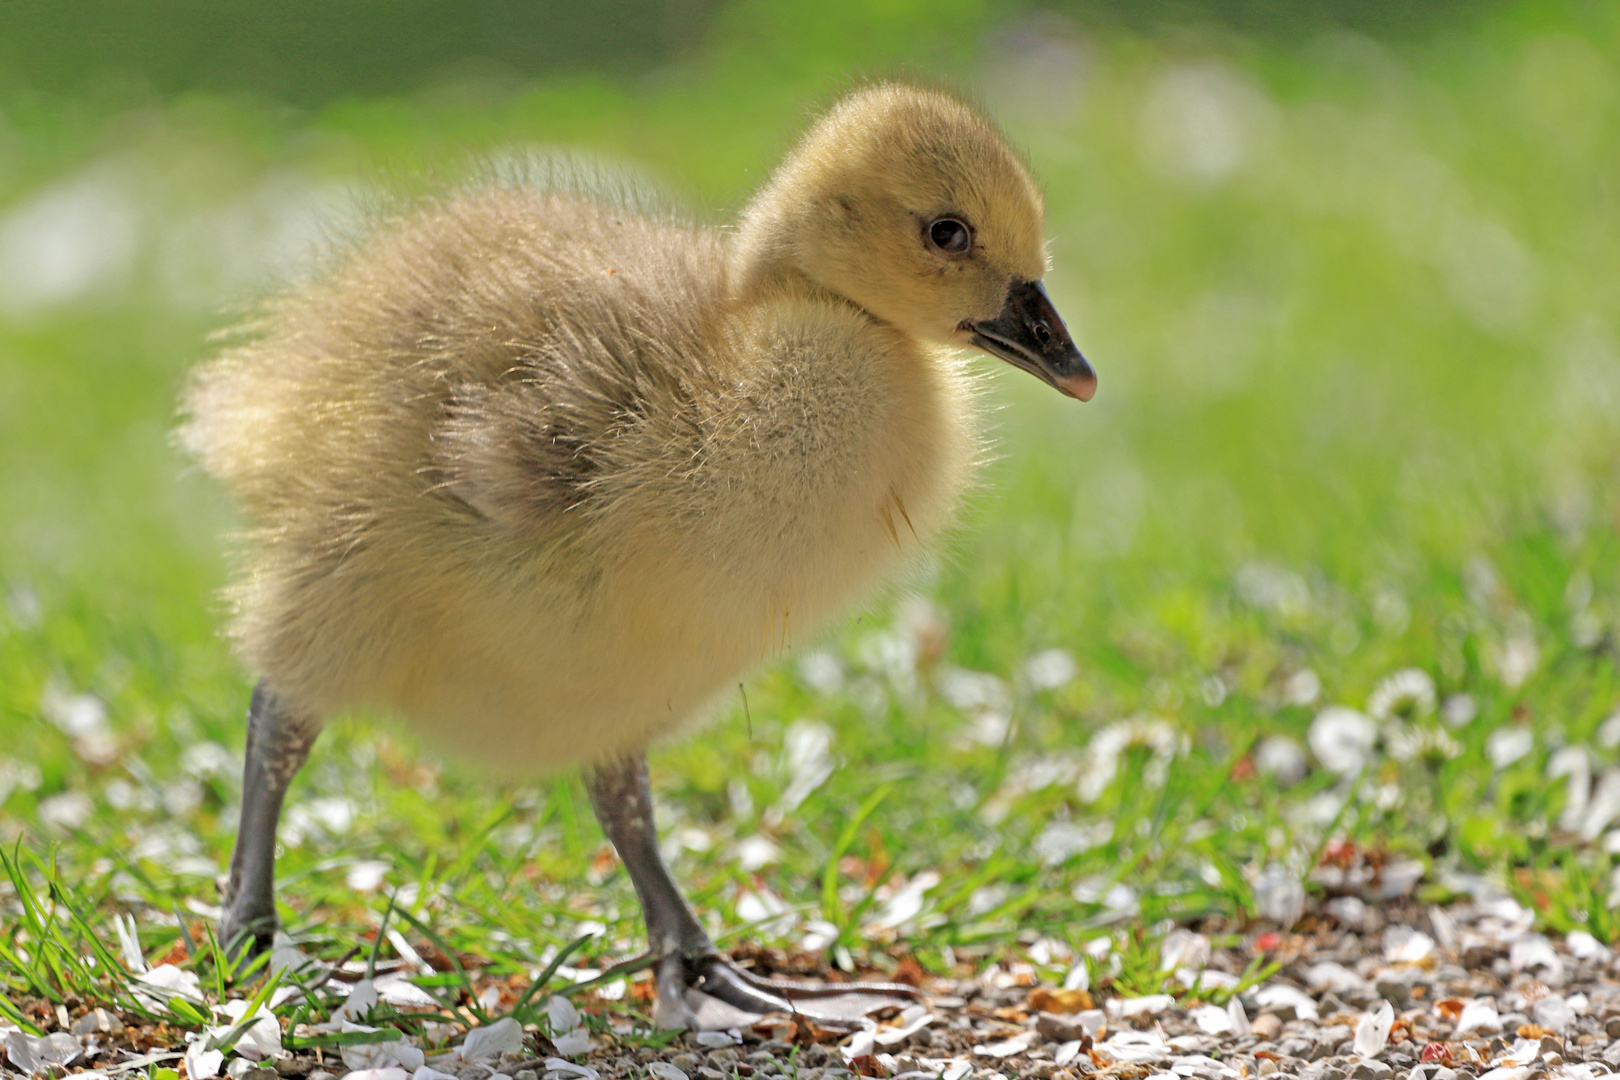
1028	334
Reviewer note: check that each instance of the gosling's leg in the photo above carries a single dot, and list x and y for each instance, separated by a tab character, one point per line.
696	987
278	742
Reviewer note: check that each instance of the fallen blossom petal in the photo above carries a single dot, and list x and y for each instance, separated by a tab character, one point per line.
166	981
1554	1013
663	1070
1509	744
1277	994
32	1053
398	1053
562	1014
573	1043
203	1064
1398	878
97	1020
1479	1015
1522	1052
1008	1047
428	1072
378	1074
1583	946
129	945
1211	1019
1147	1005
1506	1072
1279	895
568	1068
1537	953
1372	1030
355	1008
1134	1046
1331	975
1404	945
1239	1018
504	1036
1183	948
861	1044
890	1036
397	989
1207	979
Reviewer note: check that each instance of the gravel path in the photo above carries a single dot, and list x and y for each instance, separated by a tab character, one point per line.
1365	992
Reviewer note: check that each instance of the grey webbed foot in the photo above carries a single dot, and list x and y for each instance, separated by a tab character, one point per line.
696	987
718	994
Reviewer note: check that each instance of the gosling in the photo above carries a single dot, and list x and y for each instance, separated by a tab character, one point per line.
544	470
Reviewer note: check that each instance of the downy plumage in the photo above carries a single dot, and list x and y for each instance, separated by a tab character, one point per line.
542	470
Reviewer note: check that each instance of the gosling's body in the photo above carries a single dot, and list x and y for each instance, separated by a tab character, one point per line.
531	471
541	471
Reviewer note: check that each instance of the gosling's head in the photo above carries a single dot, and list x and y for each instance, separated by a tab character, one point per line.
909	203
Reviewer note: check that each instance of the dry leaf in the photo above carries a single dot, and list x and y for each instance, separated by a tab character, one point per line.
1532	991
1435	1051
1045	999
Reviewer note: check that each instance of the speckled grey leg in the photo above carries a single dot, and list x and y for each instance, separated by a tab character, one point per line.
622	799
688	960
278	742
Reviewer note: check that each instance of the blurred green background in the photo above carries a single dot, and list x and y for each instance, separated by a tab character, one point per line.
1349	273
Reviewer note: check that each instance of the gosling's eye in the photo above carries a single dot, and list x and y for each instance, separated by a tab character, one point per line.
950	236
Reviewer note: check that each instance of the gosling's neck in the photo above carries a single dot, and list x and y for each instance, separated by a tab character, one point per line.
765	262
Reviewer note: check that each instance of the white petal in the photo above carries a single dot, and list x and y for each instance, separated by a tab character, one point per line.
428	1072
573	1043
1240	1019
1211	1019
504	1036
1149	1005
1479	1015
562	1014
1015	1045
202	1064
1372	1030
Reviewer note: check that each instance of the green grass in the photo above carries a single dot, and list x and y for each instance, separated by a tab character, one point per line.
1353	309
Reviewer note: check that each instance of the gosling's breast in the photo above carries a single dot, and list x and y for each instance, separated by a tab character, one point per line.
837	456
